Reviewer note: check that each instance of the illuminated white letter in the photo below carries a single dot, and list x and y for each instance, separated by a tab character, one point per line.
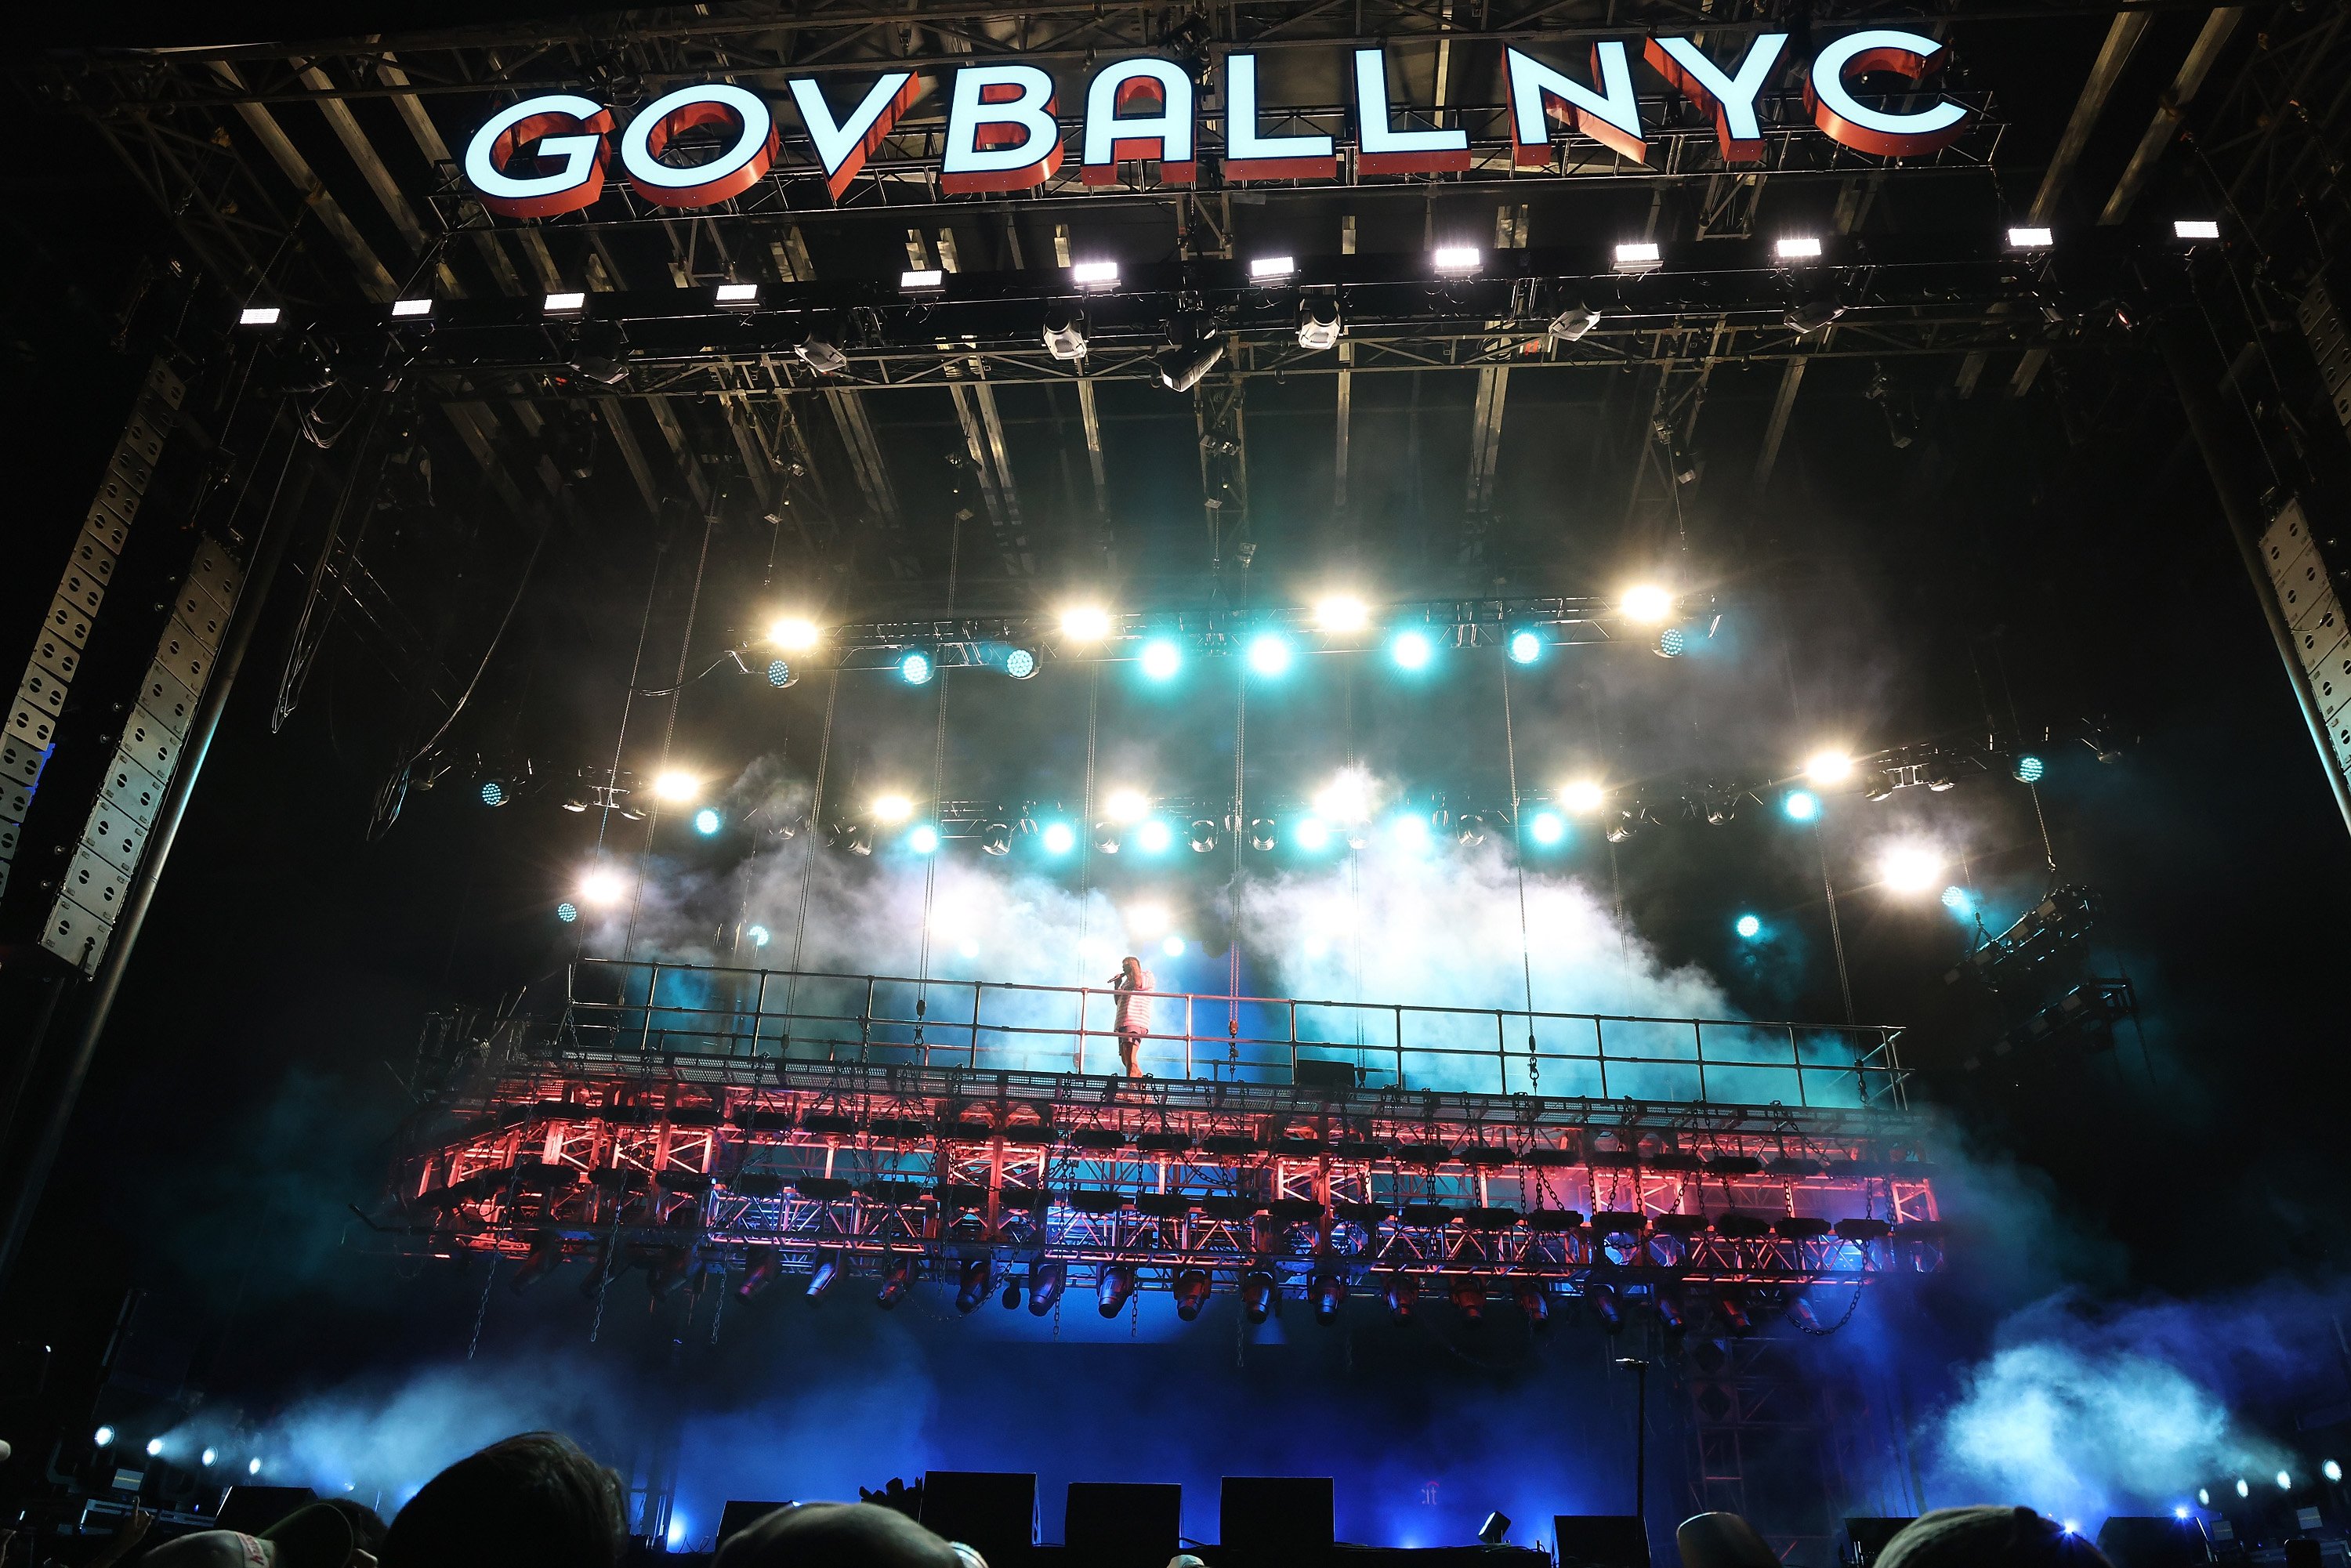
1164	132
842	148
1844	118
522	130
1250	156
1611	117
1001	134
1731	97
732	172
1387	150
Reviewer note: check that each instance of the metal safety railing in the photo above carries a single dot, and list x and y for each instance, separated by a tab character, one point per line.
647	1007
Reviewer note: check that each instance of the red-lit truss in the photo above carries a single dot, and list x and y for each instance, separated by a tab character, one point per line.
770	1170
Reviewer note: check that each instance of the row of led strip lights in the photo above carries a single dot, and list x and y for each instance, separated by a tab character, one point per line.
1452	261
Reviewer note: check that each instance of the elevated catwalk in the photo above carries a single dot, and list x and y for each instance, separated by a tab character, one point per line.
769	1125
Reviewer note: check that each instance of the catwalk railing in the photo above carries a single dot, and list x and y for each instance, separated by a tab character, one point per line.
650	1008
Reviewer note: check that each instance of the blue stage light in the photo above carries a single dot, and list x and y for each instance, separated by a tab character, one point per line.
1802	804
2180	1510
566	911
779	673
1173	947
1672	643
494	793
1412	650
916	669
1526	646
1959	901
1411	831
1161	659
2330	1470
1749	927
1310	833
2029	769
2244	1489
1268	654
760	935
1152	837
1020	663
1547	827
705	821
1059	838
923	840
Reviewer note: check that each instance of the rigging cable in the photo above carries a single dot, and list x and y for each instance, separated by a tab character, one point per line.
1519	865
938	785
807	852
669	734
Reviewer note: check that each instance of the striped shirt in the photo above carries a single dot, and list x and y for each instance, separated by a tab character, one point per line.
1134	1005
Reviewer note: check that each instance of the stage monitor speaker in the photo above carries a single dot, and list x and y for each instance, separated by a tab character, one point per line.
2144	1541
1116	1524
739	1515
991	1510
1313	1074
1868	1536
249	1511
1285	1512
1599	1540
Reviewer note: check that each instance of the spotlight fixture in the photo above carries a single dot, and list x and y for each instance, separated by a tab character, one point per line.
2195	228
1647	605
1533	1303
1262	267
1910	868
794	634
1257	1295
1829	767
889	810
2031	239
603	887
1065	332
253	1465
779	673
1525	646
1191	1293
923	840
2330	1470
103	1436
915	668
706	821
1330	1297
2204	1496
1195	348
1107	838
1011	1300
2244	1490
1802	804
1201	835
1811	316
1018	662
1546	828
494	792
1671	644
1347	797
1638	255
1045	1282
1310	833
676	786
1626	823
1571	324
1125	805
1468	1299
1115	1289
975	1285
1797	247
565	304
258	316
759	936
2028	769
1085	622
1058	837
1173	947
1094	274
738	294
923	280
1268	654
1748	926
1318	321
1342	613
1605	1307
410	309
2284	1480
1261	834
1154	837
1471	828
898	1277
1402	1295
819	350
208	1457
1959	901
1411	832
1161	659
1411	649
1455	260
566	911
1496	1530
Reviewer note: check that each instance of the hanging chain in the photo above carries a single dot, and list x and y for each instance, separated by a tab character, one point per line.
482	1312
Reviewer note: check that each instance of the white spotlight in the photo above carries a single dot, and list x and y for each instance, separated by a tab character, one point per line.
891	808
677	787
1910	868
154	1447
2196	229
738	294
1125	805
1796	248
1147	920
1828	767
1094	274
257	316
1085	622
1346	799
1584	796
1318	321
1455	260
928	280
412	308
1646	604
1342	613
563	304
2031	239
1264	267
795	633
1573	322
603	887
1638	255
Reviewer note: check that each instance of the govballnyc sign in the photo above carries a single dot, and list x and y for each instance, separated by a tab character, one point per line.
549	154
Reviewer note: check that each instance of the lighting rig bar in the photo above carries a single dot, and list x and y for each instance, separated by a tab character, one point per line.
1575	305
